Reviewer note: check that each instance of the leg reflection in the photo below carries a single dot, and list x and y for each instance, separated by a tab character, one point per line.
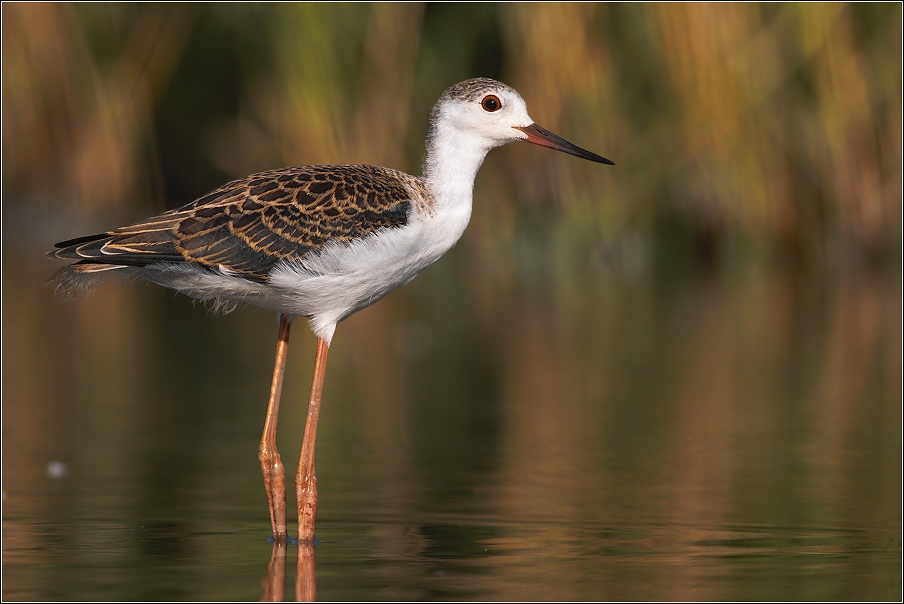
275	583
306	579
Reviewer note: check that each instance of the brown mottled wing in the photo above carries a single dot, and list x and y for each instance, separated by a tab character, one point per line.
249	225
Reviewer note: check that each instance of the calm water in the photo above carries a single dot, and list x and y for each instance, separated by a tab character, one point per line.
576	436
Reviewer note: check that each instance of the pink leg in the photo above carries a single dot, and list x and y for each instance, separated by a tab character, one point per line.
305	480
271	465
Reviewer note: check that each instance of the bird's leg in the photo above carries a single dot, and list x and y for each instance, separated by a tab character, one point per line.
305	480
271	465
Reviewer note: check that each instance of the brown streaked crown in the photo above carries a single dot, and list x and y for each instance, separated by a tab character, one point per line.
473	89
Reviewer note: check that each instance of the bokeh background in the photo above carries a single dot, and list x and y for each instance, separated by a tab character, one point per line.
679	377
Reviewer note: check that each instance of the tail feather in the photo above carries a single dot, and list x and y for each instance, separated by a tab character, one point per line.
94	267
80	278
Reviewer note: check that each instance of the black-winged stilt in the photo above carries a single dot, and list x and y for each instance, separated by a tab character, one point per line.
320	242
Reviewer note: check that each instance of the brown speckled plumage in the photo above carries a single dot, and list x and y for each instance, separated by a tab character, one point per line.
248	225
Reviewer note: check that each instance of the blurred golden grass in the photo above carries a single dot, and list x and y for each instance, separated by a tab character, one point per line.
772	129
76	129
779	126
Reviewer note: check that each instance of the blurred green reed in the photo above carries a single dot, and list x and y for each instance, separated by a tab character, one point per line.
741	132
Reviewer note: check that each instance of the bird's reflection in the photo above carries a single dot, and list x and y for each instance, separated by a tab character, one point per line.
305	580
275	581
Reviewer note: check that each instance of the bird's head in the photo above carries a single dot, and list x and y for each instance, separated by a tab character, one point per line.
491	114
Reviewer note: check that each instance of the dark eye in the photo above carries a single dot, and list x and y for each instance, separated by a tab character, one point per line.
491	103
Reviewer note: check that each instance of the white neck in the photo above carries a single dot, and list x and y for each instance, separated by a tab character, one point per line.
453	158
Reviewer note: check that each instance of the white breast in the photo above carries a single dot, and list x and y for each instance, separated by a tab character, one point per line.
342	279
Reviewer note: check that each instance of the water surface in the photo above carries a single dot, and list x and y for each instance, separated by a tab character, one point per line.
585	436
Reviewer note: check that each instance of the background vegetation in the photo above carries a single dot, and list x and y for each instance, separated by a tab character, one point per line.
674	378
765	131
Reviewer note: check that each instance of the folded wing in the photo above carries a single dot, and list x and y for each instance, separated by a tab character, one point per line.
247	226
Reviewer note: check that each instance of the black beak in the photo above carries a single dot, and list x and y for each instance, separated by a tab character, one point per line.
545	138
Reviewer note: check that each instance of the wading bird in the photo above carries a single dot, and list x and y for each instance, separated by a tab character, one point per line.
319	242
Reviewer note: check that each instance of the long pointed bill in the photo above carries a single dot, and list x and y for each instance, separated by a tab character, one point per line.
545	138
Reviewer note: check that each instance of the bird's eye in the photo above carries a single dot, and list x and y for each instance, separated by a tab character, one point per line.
491	103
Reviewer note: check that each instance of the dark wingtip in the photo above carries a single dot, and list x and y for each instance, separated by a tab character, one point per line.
80	240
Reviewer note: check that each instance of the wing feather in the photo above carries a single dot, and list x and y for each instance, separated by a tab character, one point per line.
248	225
